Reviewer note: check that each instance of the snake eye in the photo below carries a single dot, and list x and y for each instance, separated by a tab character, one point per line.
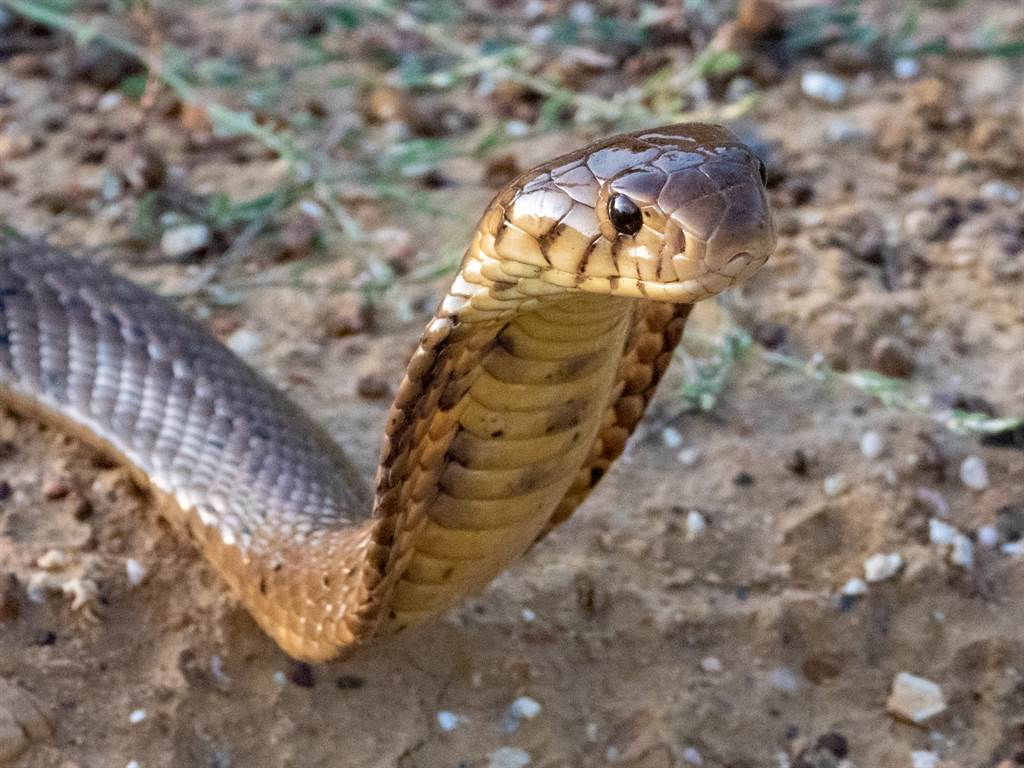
624	215
763	170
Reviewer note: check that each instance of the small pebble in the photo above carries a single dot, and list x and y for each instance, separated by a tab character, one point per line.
823	87
974	473
882	566
924	759
711	664
688	457
525	708
136	571
940	532
892	357
692	756
1000	191
915	699
855	588
133	764
448	721
835	485
962	553
844	131
280	678
373	386
671	437
508	757
871	445
244	342
906	68
528	616
184	240
835	743
696	524
783	679
988	536
1013	548
137	716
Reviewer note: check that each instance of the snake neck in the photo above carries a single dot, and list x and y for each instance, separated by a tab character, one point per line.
490	428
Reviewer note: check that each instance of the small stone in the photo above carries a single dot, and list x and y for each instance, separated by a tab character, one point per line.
711	665
528	616
882	566
57	488
783	679
941	533
823	87
373	386
854	588
974	473
871	445
844	131
924	759
962	553
244	342
53	560
184	240
671	437
835	743
906	68
692	757
892	357
135	570
988	536
14	146
301	674
1000	191
915	699
835	485
137	716
525	708
688	457
696	524
508	757
448	721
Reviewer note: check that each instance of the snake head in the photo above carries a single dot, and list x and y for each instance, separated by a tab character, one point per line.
674	214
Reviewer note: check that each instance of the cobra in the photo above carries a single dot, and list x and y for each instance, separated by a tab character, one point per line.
525	385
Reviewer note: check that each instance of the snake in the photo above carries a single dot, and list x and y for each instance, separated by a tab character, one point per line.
523	389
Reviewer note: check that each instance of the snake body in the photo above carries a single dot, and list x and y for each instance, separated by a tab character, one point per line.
525	385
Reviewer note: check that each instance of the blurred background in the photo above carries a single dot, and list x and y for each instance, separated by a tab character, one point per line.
832	475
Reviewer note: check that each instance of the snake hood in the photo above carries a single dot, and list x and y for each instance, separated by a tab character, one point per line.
674	214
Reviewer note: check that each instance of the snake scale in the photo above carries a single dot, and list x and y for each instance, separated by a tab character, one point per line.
537	365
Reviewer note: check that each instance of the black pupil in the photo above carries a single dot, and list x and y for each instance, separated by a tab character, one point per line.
624	215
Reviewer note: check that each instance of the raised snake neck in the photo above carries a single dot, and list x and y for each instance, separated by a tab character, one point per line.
525	386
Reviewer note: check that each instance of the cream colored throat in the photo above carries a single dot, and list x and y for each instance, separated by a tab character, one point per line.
525	427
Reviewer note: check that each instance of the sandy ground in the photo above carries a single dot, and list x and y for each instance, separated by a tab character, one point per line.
635	639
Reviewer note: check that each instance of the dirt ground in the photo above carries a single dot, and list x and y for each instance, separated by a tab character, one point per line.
629	637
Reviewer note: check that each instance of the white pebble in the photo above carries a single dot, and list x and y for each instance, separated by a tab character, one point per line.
962	553
1013	548
184	239
137	716
525	708
711	664
448	721
133	764
988	536
924	759
844	131
528	615
823	87
835	485
696	524
280	678
882	566
109	101
915	699
855	588
1000	191
871	445
783	679
688	457
244	342
974	473
692	756
936	499
906	68
508	757
671	437
940	532
136	571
